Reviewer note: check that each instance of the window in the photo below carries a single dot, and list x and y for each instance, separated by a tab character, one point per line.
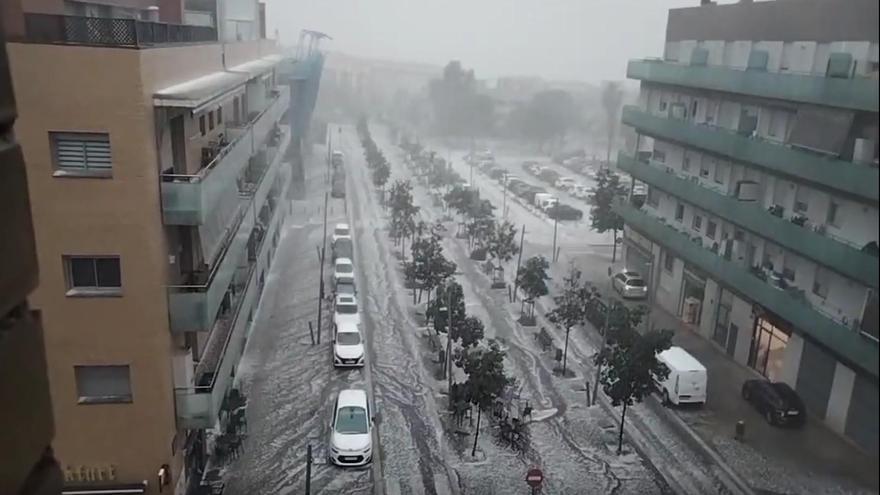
801	199
202	125
219	115
788	269
211	120
704	168
653	197
659	156
820	282
694	109
662	107
711	227
93	275
679	212
720	172
697	223
686	163
831	217
81	153
668	261
102	384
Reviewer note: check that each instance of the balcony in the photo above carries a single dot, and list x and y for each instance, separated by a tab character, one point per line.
849	344
114	32
190	199
840	257
193	308
18	258
199	406
862	181
857	93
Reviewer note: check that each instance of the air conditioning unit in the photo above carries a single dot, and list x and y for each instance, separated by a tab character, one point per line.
747	190
863	150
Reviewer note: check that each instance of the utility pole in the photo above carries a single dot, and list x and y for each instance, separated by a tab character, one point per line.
321	271
329	154
650	294
449	336
309	470
522	238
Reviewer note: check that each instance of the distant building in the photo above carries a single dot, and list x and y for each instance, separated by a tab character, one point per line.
757	139
157	176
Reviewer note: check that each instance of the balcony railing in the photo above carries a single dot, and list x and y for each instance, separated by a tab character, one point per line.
849	344
193	308
104	31
851	178
842	258
199	406
857	93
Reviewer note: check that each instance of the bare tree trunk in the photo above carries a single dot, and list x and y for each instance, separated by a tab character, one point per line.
620	433
477	431
565	351
614	246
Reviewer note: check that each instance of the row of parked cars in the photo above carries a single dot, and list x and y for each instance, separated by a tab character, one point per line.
351	426
559	181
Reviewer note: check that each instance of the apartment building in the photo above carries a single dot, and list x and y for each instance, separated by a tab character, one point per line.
157	168
27	462
756	136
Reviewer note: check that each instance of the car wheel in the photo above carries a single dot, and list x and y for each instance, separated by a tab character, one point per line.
745	394
666	401
768	415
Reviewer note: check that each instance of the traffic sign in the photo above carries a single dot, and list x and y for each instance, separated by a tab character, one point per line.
534	477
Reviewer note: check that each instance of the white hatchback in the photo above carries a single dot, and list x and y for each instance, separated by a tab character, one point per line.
351	429
341	231
348	346
346	310
343	271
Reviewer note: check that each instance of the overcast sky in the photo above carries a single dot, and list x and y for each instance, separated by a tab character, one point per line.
587	40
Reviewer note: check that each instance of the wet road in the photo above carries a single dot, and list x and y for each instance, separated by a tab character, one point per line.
291	383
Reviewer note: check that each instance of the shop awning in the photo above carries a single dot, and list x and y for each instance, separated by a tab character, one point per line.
105	489
258	67
197	93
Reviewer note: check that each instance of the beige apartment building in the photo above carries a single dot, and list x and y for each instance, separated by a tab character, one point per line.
156	170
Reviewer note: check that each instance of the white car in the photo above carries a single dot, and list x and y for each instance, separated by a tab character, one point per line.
343	271
348	346
580	191
346	310
341	231
565	183
351	429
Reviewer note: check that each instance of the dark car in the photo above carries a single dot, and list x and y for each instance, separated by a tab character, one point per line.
342	248
564	212
497	173
549	176
776	401
338	188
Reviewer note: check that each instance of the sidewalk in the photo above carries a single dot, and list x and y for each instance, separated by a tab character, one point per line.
780	460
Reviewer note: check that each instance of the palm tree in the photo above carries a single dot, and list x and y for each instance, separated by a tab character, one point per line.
612	99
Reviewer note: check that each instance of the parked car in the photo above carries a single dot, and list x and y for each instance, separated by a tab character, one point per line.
561	157
348	346
341	231
518	188
561	211
342	248
576	164
343	271
346	288
687	380
496	173
337	190
630	284
337	159
580	191
529	193
544	200
549	176
351	436
346	310
776	401
564	183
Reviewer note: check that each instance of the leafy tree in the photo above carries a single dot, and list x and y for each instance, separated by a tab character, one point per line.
571	307
481	219
532	279
459	109
439	309
549	114
602	217
501	246
403	211
486	381
629	366
612	99
381	174
430	266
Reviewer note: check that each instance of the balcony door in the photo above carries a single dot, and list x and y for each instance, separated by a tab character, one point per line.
178	145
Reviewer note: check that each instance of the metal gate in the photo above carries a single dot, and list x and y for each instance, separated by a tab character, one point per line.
815	375
861	419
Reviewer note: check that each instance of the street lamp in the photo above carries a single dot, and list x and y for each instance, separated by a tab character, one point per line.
504	201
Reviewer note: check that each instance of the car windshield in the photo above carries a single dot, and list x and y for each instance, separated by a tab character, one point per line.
344	268
635	282
345	289
347	309
351	420
340	231
348	338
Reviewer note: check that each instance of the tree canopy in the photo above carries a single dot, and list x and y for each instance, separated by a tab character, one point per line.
459	109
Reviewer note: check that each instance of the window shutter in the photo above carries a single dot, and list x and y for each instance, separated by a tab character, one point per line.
82	151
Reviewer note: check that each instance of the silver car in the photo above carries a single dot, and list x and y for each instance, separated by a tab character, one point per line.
630	284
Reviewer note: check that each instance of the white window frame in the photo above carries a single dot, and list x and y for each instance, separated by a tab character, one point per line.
97	167
122	398
88	291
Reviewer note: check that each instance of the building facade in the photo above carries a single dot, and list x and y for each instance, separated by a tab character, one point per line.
756	136
157	167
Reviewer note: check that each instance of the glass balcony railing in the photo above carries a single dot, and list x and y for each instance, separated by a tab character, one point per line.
790	305
190	199
851	178
199	406
858	93
842	258
193	308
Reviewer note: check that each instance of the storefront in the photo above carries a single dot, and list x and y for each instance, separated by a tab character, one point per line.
767	353
692	294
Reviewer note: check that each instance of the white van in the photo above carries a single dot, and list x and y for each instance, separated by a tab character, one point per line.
544	200
687	380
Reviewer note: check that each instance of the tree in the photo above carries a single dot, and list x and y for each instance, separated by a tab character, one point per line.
549	114
459	109
501	246
612	99
430	266
532	279
481	220
571	307
630	367
486	381
614	320
602	215
403	211
438	309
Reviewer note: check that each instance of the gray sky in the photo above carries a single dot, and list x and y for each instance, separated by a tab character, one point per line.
588	40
